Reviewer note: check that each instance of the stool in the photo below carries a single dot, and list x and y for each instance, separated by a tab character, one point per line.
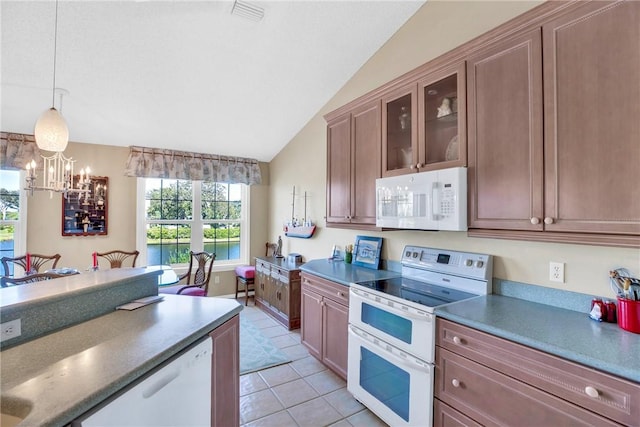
245	275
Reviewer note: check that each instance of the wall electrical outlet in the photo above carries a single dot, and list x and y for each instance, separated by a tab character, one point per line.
10	330
556	272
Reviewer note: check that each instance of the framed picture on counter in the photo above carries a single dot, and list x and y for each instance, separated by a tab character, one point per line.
366	252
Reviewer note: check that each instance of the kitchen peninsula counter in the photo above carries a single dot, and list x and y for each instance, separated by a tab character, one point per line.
61	375
537	323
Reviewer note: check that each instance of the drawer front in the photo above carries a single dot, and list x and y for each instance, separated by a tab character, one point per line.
445	416
332	290
613	397
263	267
492	398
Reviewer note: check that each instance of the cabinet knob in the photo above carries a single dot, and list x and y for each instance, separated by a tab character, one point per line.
341	294
455	383
535	220
419	165
548	220
591	391
457	340
412	167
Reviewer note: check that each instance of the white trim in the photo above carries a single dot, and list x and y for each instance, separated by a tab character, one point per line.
141	235
20	236
196	226
19	225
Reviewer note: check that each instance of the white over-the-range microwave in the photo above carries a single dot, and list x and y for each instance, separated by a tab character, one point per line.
432	200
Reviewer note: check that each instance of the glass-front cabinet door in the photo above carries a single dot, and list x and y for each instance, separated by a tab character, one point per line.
399	132
442	119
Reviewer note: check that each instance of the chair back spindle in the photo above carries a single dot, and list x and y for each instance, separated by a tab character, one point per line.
117	257
37	262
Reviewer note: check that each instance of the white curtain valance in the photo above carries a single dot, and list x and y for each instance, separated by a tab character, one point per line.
159	163
16	150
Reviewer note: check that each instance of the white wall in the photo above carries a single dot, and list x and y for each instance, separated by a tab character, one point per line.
436	28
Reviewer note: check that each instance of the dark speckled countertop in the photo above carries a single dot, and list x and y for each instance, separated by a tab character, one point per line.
535	323
565	333
63	374
344	274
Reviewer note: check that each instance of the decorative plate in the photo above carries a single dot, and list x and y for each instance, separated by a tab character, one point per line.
452	149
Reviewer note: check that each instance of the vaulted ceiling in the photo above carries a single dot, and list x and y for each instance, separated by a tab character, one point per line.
186	75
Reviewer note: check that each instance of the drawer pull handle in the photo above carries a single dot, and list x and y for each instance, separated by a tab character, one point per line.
457	340
591	391
455	383
341	294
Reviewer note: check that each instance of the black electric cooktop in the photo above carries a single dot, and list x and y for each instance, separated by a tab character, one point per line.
423	293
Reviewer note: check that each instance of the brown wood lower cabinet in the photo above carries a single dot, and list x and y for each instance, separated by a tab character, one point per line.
325	321
486	380
225	374
277	286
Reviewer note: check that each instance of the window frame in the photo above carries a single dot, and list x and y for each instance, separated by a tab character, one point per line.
196	224
20	225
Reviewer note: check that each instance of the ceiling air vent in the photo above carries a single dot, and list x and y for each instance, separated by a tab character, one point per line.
247	10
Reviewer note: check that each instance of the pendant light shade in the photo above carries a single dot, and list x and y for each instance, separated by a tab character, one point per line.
51	131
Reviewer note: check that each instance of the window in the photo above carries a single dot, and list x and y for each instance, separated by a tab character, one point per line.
181	216
13	214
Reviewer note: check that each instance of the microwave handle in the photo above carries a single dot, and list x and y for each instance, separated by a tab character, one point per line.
435	201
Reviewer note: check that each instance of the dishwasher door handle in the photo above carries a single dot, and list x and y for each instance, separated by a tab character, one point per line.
160	384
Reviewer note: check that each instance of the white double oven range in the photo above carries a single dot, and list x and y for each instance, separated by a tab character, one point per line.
392	330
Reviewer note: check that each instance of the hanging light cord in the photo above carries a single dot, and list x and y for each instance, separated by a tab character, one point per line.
55	47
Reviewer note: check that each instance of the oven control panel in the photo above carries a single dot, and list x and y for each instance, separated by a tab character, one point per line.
468	264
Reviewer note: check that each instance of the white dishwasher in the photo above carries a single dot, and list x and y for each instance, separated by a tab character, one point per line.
177	394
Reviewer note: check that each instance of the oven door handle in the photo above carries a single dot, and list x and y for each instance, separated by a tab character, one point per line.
399	360
410	312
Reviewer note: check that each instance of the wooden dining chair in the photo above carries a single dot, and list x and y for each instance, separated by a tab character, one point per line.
203	263
37	262
6	281
117	257
245	274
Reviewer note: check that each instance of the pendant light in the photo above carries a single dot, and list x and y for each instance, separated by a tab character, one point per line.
51	134
51	130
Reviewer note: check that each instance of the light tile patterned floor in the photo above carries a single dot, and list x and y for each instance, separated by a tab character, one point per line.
302	393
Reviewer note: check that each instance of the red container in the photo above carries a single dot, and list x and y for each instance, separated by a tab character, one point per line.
629	315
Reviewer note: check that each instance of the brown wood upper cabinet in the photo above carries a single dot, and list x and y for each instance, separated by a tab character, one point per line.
504	85
353	164
568	165
400	153
442	133
424	123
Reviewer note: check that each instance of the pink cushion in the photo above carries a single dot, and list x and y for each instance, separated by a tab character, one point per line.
246	271
195	292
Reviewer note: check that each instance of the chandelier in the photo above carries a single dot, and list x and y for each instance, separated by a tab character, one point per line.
51	134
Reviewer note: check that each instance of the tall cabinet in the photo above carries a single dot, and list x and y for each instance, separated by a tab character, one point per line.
353	164
505	134
592	119
562	166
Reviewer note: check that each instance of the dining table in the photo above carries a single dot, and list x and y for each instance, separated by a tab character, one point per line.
168	276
